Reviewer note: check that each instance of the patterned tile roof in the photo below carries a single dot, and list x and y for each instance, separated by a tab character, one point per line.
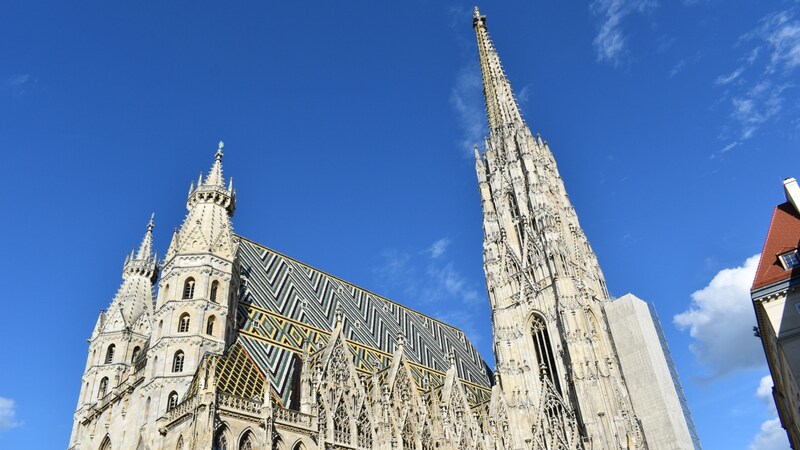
286	303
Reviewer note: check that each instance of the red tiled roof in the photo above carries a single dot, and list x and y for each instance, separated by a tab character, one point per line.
783	235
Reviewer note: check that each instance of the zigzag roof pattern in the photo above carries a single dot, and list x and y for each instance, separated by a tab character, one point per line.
289	304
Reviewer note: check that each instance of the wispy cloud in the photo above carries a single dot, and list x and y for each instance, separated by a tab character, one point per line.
8	414
438	248
19	84
756	88
429	279
771	436
720	319
610	41
466	98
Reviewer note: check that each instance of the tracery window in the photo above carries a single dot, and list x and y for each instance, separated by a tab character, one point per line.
103	388
408	436
341	424
110	354
106	445
220	440
247	442
172	401
188	288
544	350
180	443
183	323
364	430
210	326
322	419
214	289
427	441
177	361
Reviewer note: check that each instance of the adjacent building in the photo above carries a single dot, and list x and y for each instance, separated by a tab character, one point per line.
650	373
776	299
228	344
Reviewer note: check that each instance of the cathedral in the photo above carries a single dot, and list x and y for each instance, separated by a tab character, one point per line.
227	344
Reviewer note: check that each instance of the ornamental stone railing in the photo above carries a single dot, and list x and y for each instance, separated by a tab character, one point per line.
229	401
183	408
291	417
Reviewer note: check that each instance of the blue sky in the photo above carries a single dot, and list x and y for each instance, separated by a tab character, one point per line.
348	130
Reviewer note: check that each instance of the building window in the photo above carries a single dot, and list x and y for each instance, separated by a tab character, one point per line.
544	351
103	388
183	323
247	442
220	441
172	401
364	429
790	260
135	353
210	326
177	362
106	445
408	435
341	425
110	354
180	443
188	288
214	289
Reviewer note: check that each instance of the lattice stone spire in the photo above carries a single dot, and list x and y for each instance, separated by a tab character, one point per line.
501	106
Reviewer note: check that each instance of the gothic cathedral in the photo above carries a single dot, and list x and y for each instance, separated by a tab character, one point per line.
242	347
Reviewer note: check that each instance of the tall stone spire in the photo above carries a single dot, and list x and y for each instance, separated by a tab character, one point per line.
501	106
135	295
207	227
546	290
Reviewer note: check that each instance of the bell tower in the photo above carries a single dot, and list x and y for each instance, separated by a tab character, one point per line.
555	362
195	310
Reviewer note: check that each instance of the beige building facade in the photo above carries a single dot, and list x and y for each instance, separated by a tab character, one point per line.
776	299
242	347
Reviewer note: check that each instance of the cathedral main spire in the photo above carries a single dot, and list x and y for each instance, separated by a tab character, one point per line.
501	106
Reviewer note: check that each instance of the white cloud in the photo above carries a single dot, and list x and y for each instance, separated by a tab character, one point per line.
466	98
756	89
771	436
427	278
610	40
438	248
8	414
720	320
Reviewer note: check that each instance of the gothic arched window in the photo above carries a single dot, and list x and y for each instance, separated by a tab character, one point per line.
135	353
183	323
214	289
188	288
180	443
544	350
322	419
408	436
172	400
341	425
103	388
220	440
146	409
364	429
210	326
177	361
106	445
110	354
247	442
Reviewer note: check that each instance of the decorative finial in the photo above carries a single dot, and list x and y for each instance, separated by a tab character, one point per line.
477	12
452	357
150	224
219	153
339	316
401	341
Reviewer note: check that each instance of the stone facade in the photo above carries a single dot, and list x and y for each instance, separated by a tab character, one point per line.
776	300
246	348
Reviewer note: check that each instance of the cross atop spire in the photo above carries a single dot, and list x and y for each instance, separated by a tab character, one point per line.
501	106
